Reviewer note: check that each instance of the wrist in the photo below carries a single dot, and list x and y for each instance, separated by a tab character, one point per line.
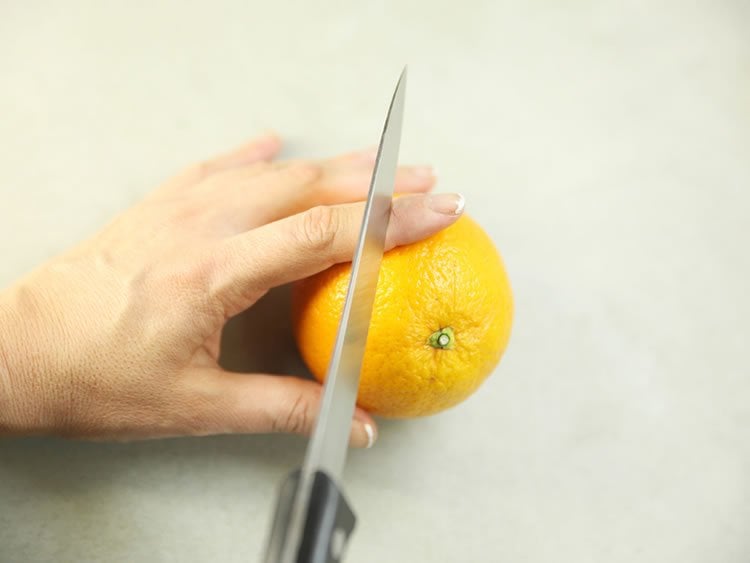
8	386
18	414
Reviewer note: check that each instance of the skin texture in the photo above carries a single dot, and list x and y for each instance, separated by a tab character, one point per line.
118	338
453	285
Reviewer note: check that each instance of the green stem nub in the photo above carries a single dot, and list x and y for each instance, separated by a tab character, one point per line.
443	339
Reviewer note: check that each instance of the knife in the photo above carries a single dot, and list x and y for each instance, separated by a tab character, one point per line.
313	520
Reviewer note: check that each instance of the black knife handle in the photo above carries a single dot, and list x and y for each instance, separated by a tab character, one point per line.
328	523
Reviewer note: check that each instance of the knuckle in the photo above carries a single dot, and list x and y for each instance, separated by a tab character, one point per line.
257	168
200	170
397	214
181	215
318	228
297	418
303	172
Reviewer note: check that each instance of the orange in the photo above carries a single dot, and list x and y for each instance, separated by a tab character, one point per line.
440	323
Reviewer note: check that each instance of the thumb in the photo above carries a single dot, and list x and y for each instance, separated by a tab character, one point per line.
235	403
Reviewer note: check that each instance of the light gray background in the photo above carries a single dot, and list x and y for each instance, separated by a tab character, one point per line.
604	145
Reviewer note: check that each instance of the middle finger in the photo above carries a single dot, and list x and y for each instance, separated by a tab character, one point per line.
260	195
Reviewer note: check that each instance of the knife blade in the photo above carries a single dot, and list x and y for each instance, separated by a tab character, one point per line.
313	521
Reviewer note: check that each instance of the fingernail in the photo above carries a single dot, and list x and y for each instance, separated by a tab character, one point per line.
370	431
423	171
363	434
447	204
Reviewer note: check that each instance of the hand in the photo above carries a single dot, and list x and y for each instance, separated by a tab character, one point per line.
119	337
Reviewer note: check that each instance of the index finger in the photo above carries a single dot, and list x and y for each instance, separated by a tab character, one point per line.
299	246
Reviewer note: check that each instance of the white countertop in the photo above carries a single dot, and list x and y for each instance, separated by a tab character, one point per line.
604	146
